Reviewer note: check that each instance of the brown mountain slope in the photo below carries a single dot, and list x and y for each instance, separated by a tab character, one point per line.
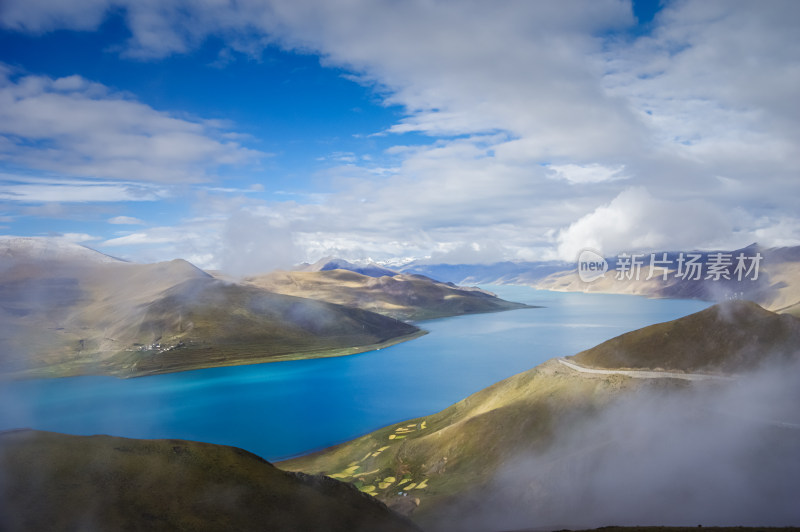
52	481
211	323
66	316
402	296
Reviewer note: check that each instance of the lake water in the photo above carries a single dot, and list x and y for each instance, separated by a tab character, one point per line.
283	409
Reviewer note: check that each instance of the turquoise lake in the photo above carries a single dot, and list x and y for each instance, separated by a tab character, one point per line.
285	409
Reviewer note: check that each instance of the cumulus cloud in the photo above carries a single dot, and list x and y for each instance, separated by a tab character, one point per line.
552	127
583	174
635	220
125	220
77	237
79	128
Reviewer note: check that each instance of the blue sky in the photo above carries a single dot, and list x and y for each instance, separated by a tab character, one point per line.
250	135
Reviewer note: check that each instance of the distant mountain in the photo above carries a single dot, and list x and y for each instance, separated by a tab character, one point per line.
777	286
497	273
330	263
555	447
72	313
53	481
401	296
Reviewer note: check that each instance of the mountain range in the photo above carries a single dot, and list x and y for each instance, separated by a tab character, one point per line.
775	287
369	269
401	296
69	310
687	422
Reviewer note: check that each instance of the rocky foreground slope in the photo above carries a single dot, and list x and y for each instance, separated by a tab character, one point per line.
52	481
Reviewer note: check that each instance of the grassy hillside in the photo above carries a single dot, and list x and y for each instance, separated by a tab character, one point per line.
436	460
69	317
401	296
439	466
52	481
728	337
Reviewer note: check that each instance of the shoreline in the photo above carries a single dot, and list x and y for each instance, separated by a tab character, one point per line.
288	357
98	370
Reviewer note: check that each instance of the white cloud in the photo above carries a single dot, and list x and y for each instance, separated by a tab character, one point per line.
682	138
27	189
189	240
585	174
75	127
38	16
783	232
159	235
78	237
635	220
125	220
716	84
525	67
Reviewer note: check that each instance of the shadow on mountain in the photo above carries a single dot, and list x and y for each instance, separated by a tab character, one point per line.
51	481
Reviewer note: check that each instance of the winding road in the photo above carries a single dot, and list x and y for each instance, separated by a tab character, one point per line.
642	374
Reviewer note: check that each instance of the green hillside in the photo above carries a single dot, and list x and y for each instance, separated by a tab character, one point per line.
51	481
728	337
436	459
